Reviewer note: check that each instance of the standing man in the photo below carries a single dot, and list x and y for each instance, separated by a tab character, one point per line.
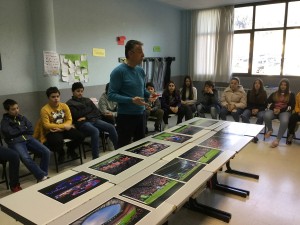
87	119
127	88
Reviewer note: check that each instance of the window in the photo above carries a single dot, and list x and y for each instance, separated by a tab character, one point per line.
266	39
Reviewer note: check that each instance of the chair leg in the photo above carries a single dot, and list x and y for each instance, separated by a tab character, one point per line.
80	155
55	161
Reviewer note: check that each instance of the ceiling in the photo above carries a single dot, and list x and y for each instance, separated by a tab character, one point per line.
202	4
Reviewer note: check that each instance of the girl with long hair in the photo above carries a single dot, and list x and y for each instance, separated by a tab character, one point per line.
280	105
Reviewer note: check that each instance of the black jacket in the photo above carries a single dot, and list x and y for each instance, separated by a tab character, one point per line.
83	107
16	129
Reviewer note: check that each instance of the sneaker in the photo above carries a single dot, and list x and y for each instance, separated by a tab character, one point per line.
110	145
16	188
43	179
289	139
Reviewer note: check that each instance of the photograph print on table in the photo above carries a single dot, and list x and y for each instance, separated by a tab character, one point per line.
180	169
187	129
172	137
114	211
153	190
72	187
201	154
148	148
116	164
204	122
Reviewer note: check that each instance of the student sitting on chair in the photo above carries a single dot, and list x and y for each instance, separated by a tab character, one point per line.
256	103
108	108
233	100
171	104
154	107
87	118
17	131
294	119
209	101
280	105
188	94
55	125
13	160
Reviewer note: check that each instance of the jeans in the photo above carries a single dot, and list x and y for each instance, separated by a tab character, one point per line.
283	118
247	114
13	159
130	126
38	148
213	109
236	115
93	130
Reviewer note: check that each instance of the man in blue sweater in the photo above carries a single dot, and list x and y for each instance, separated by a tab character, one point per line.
127	88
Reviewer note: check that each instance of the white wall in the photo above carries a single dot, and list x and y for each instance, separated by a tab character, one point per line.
79	27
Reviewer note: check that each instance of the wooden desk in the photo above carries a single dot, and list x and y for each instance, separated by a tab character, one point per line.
29	206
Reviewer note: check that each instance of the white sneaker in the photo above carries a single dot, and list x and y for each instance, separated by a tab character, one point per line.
166	127
110	145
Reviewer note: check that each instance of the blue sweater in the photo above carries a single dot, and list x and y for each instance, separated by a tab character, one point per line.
125	83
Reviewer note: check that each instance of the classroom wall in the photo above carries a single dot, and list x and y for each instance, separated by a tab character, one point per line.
28	27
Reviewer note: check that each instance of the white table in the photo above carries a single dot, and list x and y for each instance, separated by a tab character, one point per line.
29	206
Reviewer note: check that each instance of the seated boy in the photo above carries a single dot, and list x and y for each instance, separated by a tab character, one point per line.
154	107
56	124
87	118
17	131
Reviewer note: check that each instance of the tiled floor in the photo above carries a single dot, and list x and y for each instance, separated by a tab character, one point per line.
274	198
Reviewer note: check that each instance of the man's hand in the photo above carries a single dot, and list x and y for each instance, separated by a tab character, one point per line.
276	111
139	101
174	109
69	127
109	114
81	119
254	111
56	130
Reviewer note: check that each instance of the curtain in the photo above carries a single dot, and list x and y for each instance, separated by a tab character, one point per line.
210	50
155	69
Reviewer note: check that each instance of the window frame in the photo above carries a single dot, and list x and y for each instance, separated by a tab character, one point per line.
252	32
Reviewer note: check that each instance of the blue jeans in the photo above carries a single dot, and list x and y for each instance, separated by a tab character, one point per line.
38	148
213	109
247	114
236	115
93	130
283	117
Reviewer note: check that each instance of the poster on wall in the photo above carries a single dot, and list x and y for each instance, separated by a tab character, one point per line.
51	63
74	68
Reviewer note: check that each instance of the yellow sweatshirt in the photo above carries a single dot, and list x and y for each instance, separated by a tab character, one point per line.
52	118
